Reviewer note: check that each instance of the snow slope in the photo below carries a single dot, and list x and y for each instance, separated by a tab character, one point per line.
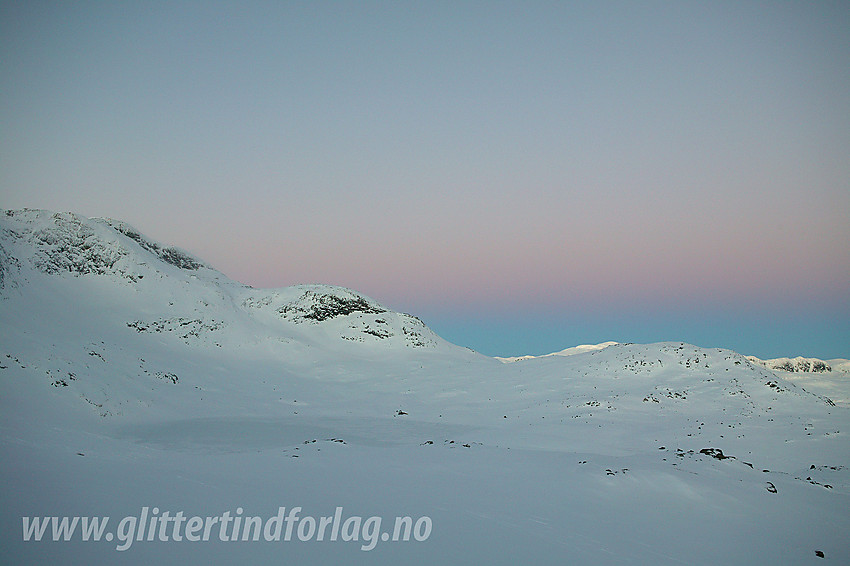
133	375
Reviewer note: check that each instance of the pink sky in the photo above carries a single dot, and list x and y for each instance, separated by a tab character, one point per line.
519	158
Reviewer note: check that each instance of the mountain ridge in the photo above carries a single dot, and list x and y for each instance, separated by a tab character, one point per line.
37	242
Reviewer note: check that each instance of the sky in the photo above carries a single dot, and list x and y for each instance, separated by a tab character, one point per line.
523	176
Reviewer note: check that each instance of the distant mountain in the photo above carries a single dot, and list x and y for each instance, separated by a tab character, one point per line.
801	364
830	378
581	349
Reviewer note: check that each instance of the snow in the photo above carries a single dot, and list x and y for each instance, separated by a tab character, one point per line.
134	377
581	349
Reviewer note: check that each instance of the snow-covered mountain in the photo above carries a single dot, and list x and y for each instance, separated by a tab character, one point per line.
581	349
827	377
795	365
135	375
187	295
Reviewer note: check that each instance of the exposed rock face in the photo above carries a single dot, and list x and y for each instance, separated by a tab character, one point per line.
794	365
315	306
55	243
169	255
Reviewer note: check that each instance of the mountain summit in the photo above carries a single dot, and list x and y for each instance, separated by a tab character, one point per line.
180	294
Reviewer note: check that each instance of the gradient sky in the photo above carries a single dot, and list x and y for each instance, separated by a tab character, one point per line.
524	176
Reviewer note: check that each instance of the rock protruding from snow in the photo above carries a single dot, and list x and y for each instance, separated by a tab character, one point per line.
67	243
9	268
170	255
318	306
794	365
340	312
